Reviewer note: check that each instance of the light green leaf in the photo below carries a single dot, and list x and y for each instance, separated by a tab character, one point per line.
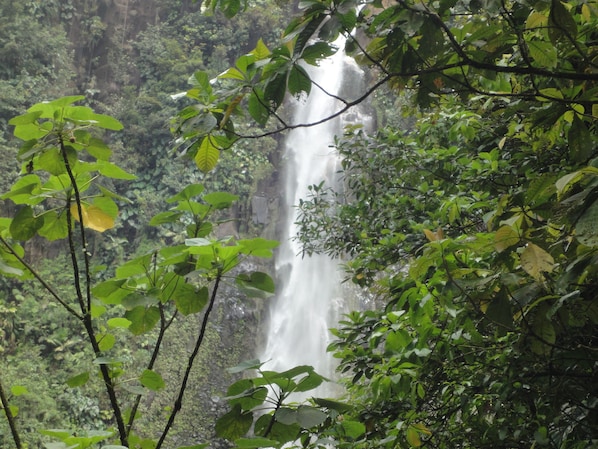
122	323
18	390
261	50
190	191
106	122
165	217
106	341
78	380
111	291
258	247
55	225
220	200
111	170
353	429
25	119
543	53
246	365
412	436
152	380
24	189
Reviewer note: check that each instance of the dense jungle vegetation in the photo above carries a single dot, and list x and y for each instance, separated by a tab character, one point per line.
470	212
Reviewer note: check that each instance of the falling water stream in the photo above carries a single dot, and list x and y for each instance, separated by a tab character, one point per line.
309	299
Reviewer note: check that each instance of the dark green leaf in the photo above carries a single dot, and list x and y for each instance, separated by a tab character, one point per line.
25	225
580	141
258	108
317	51
235	424
188	300
299	81
275	90
255	284
143	319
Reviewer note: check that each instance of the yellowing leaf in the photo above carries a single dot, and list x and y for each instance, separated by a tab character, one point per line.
505	237
586	13
93	217
535	261
421	428
434	236
207	155
413	437
535	20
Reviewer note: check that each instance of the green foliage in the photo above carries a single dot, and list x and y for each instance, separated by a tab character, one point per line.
64	164
476	229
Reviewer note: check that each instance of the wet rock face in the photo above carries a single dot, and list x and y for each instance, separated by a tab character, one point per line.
259	207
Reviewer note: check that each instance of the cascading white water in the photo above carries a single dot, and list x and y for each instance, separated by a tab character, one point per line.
309	298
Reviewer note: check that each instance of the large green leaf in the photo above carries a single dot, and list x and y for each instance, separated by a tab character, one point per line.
244	393
275	90
245	365
312	53
207	155
143	319
234	424
24	191
258	247
298	81
152	380
25	225
190	191
255	284
55	225
189	300
220	200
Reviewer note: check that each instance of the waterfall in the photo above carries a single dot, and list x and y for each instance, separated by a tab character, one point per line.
309	299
